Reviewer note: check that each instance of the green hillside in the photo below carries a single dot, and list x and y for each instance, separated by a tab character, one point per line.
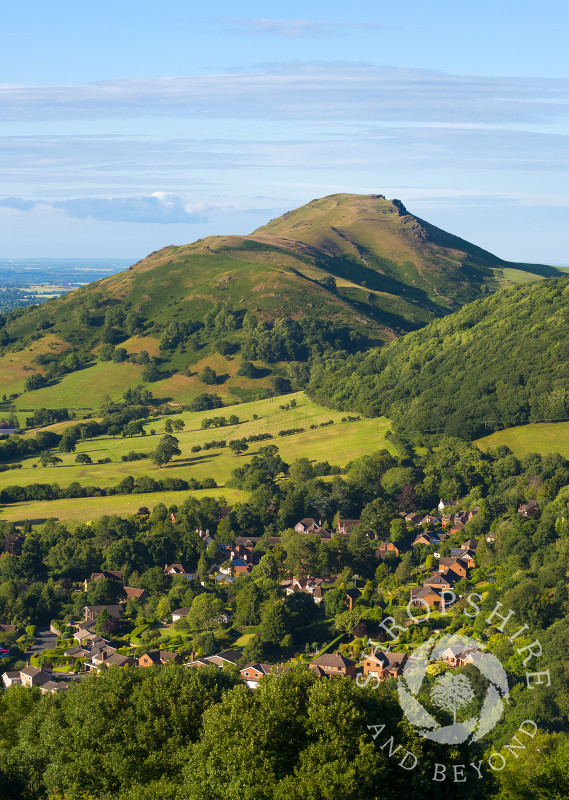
346	272
542	437
498	362
337	443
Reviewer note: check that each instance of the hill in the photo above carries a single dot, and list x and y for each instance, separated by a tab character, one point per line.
498	362
346	272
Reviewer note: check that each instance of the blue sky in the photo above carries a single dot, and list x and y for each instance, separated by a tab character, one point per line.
128	126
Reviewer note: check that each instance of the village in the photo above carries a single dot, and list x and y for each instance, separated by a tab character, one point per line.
88	645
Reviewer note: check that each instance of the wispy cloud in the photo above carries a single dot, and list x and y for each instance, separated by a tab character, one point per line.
160	207
262	26
312	91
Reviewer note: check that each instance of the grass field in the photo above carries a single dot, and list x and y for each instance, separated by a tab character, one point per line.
86	388
338	444
542	437
85	509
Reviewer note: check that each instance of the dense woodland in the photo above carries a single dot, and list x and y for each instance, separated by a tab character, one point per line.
498	362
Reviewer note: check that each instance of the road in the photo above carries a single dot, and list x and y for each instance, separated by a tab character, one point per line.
45	640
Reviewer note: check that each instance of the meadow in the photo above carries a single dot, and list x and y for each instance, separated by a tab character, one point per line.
338	444
541	437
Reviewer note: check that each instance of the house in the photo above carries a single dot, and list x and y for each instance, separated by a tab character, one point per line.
224	511
430	520
445	504
225	658
241	567
324	533
158	658
5	628
351	596
427	538
92	612
306	525
51	687
457	527
385	548
333	665
312	586
177	569
384	664
150	659
13	544
110	574
253	672
451	656
464	555
180	613
413	519
132	593
77	652
84	636
458	565
469	544
426	596
529	509
446	580
11	679
471	656
167	657
33	676
100	654
205	537
116	660
347	525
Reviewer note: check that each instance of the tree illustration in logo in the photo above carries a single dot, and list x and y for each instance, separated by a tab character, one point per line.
452	692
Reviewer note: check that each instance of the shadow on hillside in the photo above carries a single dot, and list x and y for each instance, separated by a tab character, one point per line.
543	270
188	462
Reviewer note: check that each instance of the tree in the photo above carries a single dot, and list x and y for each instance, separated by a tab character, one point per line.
205	608
377	516
274	622
151	373
48	459
34	382
83	458
398	530
167	447
247	370
68	441
238	446
208	376
248	604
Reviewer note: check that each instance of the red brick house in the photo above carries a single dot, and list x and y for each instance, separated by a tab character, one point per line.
333	665
252	673
384	665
